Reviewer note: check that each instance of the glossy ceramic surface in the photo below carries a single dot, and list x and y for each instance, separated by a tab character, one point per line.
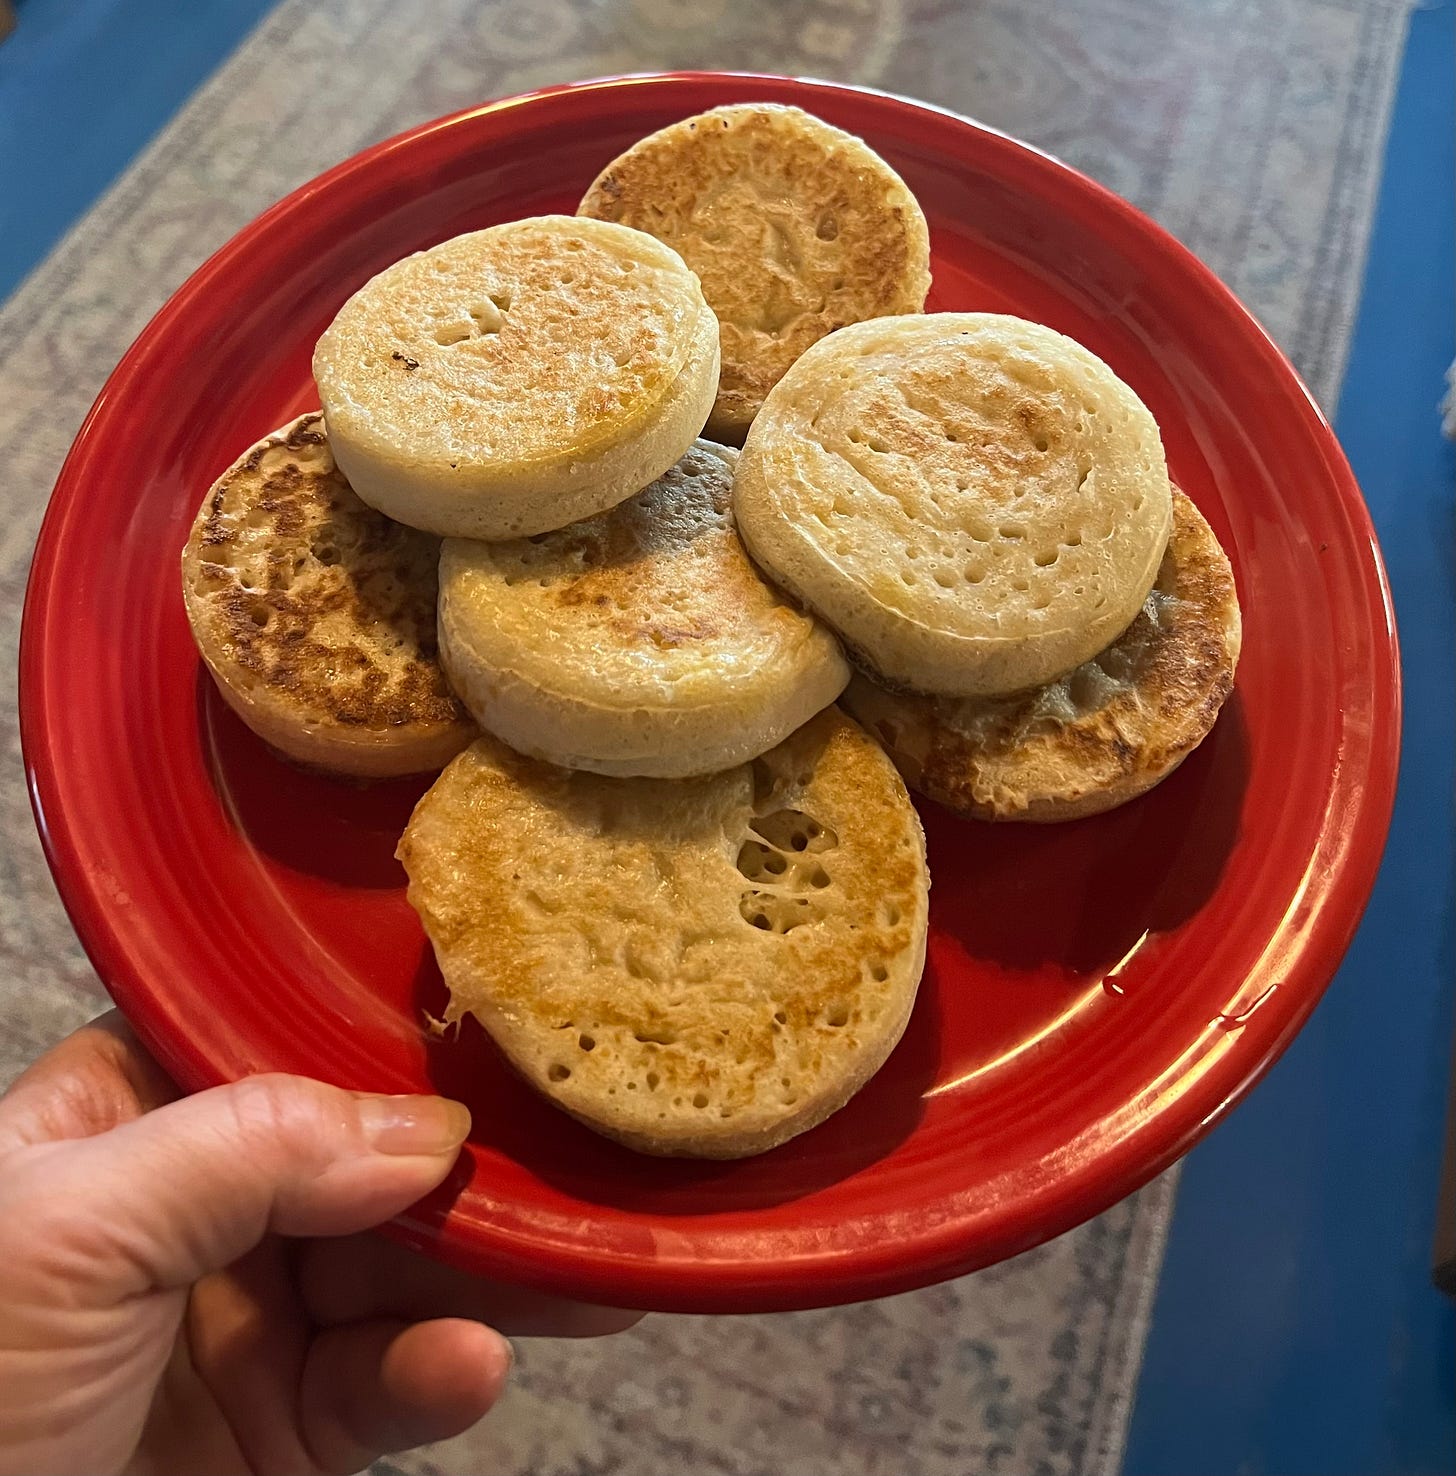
1096	994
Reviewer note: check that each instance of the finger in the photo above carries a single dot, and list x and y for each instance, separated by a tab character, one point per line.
247	1338
97	1077
366	1276
378	1387
187	1189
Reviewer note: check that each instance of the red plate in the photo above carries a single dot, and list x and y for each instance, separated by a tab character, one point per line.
1097	994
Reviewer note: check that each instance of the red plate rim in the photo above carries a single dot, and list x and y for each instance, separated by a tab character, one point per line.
1334	894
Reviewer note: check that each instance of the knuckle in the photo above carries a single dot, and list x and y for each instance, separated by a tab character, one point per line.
275	1112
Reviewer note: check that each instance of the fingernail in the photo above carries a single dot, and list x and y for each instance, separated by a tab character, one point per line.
420	1125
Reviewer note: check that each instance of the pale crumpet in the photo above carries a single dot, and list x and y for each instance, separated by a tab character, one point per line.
1098	737
795	228
519	378
316	615
639	642
697	967
976	503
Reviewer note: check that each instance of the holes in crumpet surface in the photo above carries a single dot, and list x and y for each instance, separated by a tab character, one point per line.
558	1072
756	860
773	913
658	1035
793	830
486	317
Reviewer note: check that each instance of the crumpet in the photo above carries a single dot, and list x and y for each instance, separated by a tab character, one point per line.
699	967
520	378
976	503
316	615
1099	737
795	228
642	641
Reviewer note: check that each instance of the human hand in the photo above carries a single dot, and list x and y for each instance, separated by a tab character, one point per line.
154	1316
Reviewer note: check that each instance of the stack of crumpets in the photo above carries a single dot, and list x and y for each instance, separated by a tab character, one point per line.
684	893
1045	627
683	890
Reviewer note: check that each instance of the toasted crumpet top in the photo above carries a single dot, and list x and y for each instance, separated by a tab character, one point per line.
654	603
294	585
977	503
795	228
1109	729
687	964
538	340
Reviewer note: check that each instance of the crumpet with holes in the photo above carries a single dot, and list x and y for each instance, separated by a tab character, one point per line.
1098	737
795	228
316	615
519	378
639	642
976	503
694	967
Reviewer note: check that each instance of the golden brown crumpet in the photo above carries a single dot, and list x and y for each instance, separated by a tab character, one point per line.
520	378
701	967
795	228
976	503
1096	738
642	641
316	614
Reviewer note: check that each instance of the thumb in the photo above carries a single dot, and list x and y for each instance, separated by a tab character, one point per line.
191	1187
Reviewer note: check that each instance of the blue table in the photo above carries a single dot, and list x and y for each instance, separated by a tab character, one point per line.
1295	1331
